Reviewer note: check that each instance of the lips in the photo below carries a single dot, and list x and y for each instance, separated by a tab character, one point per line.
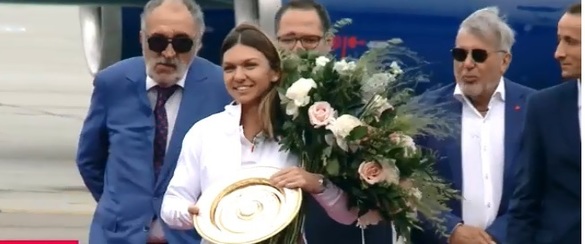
242	88
469	78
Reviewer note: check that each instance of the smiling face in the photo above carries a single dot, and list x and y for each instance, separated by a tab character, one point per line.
247	74
568	51
170	22
479	77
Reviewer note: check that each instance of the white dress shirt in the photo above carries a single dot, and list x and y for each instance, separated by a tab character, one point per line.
172	108
482	158
215	147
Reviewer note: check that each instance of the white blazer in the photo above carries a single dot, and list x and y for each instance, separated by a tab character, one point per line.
213	148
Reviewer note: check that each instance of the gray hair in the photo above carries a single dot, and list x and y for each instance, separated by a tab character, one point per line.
488	22
191	5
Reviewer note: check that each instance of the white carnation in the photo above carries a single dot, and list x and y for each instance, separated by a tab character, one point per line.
298	95
322	61
343	67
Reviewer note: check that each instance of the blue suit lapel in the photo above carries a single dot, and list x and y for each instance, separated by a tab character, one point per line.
194	97
569	113
138	76
514	117
453	146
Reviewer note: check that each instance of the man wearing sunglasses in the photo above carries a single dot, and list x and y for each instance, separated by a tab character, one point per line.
479	159
546	205
141	108
305	25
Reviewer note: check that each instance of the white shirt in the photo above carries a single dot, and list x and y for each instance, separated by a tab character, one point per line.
215	147
482	158
172	108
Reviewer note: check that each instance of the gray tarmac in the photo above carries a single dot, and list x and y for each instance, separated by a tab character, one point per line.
45	88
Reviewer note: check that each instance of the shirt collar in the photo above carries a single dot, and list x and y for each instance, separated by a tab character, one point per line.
150	83
500	91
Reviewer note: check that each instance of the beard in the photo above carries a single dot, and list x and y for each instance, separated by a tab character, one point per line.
179	70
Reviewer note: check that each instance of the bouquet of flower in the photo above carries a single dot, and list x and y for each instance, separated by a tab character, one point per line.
354	122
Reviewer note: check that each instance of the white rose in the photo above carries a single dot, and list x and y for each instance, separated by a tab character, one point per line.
341	127
396	70
322	61
343	67
298	95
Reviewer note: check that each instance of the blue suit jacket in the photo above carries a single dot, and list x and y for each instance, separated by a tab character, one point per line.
546	205
115	152
320	228
449	164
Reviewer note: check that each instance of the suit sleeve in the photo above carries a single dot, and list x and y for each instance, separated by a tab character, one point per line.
450	222
185	186
92	149
525	202
497	230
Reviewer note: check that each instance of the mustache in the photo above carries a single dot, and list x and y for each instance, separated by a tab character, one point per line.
171	63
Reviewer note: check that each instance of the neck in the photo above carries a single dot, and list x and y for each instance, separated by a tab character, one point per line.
250	121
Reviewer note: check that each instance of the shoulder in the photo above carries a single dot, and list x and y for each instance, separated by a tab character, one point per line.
518	88
550	93
208	127
546	100
438	94
210	69
118	70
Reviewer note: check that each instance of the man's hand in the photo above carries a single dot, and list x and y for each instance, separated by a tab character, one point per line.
465	234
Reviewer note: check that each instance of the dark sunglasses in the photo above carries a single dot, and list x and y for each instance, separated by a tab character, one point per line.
180	43
478	55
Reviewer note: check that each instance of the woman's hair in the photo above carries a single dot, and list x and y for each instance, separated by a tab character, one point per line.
251	36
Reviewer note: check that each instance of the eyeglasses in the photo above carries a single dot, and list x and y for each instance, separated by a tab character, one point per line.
307	42
180	43
478	55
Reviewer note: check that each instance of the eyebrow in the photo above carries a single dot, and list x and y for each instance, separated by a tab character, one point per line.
243	61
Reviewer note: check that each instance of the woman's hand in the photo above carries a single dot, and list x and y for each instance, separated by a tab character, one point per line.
295	177
193	210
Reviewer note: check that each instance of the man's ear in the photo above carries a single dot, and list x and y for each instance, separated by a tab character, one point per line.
140	35
329	39
506	62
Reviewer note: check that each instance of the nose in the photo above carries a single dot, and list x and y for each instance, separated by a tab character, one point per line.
169	52
239	74
560	52
298	46
468	63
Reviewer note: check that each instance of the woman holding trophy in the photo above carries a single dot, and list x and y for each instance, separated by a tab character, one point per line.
244	135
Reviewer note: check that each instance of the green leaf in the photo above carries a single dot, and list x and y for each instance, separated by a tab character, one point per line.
332	167
358	133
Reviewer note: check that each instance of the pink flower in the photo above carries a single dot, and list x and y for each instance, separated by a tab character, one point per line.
374	172
321	114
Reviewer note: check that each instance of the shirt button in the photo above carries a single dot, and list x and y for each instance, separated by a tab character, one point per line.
489	205
486	177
